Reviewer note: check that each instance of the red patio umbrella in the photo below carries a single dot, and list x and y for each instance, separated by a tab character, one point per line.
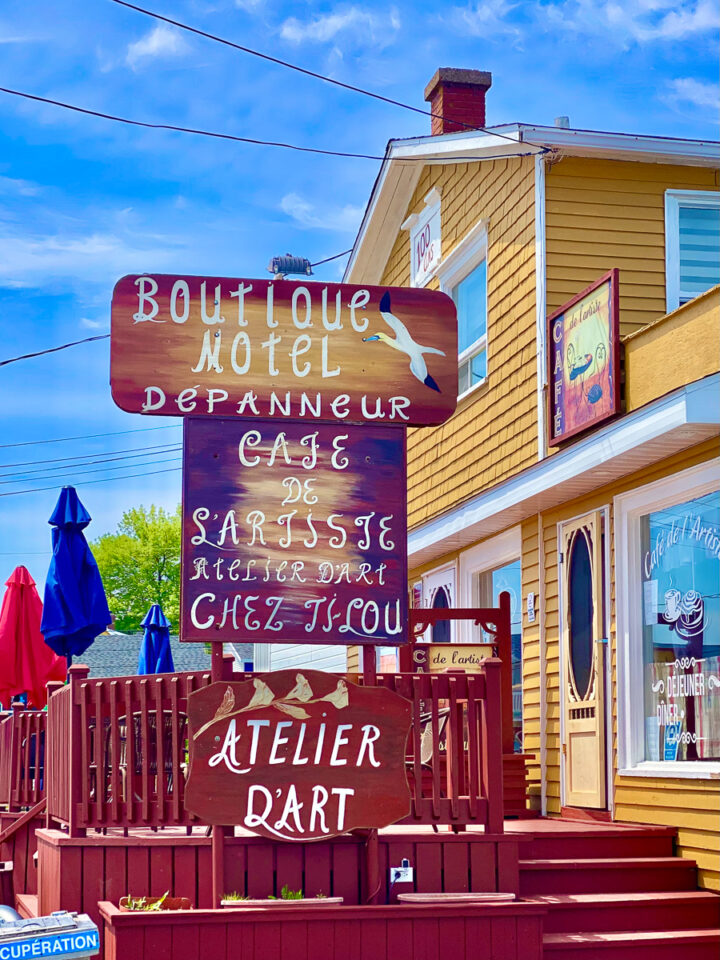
26	661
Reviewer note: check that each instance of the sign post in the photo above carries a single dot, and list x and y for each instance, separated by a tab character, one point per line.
296	397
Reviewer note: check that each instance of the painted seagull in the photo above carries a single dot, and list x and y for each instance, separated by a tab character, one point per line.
405	343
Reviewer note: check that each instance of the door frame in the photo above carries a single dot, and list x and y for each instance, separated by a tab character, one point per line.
605	514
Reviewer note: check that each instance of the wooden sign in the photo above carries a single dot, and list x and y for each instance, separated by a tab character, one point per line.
469	657
298	756
584	358
294	533
215	346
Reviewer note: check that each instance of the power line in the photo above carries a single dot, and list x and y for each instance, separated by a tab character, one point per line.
310	73
63	346
155	448
335	257
90	436
71	472
251	140
90	460
130	476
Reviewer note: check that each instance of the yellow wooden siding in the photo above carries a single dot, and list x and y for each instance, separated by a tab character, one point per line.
680	348
494	432
611	213
639	800
531	668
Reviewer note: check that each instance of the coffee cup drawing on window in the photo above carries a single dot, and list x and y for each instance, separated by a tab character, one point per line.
685	614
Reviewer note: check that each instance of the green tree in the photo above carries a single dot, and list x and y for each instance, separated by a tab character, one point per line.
140	565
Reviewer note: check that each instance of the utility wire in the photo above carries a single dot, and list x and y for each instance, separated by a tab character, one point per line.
335	257
90	460
252	140
63	346
90	436
309	73
71	472
130	476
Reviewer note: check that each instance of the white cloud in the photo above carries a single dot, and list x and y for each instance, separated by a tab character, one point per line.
162	41
92	324
23	188
38	261
689	90
632	21
306	214
363	24
485	19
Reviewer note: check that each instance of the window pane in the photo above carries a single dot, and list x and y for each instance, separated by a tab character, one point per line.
699	250
681	630
470	297
472	371
489	586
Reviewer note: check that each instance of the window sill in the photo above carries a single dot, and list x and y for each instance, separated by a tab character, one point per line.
674	770
473	389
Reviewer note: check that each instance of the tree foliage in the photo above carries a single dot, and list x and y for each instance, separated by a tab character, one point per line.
140	565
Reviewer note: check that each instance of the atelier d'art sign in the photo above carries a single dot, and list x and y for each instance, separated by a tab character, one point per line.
584	358
298	756
294	532
214	346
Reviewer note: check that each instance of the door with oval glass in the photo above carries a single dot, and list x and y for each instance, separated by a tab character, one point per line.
583	641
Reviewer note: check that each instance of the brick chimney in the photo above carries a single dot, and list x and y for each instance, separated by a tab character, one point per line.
457	97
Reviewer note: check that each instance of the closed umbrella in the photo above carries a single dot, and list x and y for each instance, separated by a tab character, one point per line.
76	609
155	653
26	663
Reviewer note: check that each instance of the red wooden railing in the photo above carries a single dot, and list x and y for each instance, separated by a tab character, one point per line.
117	748
22	757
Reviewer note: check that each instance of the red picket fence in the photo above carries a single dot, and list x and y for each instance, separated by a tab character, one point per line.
117	749
22	757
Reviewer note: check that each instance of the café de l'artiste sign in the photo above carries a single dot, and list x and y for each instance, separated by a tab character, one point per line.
293	532
298	756
216	346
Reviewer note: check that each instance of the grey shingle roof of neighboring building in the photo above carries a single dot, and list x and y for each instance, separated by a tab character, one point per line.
116	655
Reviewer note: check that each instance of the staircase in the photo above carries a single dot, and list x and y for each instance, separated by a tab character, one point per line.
617	893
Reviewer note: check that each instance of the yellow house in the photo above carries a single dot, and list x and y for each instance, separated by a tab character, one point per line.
602	521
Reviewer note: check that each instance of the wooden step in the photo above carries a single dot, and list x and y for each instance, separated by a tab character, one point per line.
595	843
26	905
542	877
623	945
649	910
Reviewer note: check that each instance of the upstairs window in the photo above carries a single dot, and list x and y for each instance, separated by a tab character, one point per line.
470	296
463	275
692	244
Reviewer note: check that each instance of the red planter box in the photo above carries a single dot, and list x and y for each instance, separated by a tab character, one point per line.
436	931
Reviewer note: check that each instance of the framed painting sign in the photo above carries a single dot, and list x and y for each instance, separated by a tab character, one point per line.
584	360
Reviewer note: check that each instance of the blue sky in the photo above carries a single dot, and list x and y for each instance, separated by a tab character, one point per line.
84	201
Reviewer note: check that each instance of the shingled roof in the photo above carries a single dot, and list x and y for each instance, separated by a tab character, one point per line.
116	655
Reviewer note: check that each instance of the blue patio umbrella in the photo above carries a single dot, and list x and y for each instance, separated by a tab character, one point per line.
155	653
75	608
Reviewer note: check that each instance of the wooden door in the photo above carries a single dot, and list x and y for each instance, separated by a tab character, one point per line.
582	570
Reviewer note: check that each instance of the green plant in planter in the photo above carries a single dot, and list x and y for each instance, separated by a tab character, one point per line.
235	896
287	894
321	896
142	903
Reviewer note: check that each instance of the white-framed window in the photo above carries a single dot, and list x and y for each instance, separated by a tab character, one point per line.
463	275
486	571
439	593
692	244
667	556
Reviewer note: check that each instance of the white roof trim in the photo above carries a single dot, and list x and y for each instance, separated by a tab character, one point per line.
396	180
673	423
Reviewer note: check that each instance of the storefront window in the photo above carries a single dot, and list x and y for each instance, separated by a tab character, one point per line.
491	583
680	575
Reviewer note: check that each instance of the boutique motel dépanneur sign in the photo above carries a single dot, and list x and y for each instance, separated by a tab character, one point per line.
296	397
